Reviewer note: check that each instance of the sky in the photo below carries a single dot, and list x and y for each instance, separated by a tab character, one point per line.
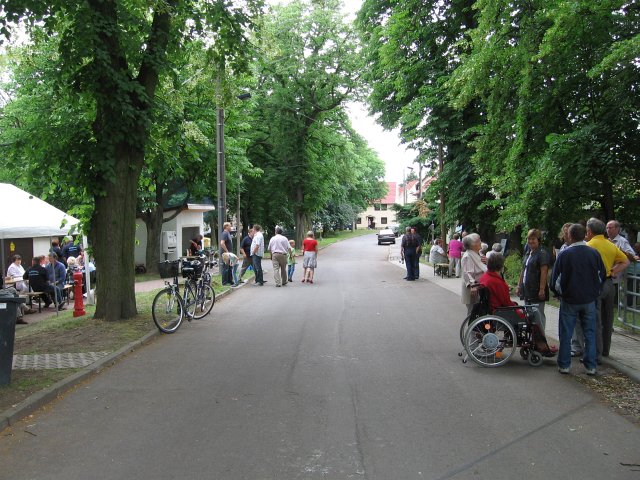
386	143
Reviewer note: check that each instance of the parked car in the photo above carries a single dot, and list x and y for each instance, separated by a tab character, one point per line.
395	228
386	235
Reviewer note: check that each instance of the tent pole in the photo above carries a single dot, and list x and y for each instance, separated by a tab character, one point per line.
90	298
2	254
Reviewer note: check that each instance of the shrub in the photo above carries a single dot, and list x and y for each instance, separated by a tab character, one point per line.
512	268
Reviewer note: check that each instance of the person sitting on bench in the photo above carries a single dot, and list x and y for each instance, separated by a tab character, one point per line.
37	276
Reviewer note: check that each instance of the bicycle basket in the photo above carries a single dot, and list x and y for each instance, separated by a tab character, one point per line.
192	269
169	269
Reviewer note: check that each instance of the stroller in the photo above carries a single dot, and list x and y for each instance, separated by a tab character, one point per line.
491	339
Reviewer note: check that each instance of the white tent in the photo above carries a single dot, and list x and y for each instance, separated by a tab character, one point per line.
27	216
24	216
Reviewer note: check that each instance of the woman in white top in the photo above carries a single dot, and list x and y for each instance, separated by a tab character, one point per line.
472	267
16	271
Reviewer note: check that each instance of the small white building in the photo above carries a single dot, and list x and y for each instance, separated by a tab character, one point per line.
188	224
379	214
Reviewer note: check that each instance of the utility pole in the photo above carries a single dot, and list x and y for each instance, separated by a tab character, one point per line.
238	231
220	163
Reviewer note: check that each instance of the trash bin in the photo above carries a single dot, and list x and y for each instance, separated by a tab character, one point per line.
8	309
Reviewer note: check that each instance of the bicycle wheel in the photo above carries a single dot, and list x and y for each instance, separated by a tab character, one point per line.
189	299
205	301
167	310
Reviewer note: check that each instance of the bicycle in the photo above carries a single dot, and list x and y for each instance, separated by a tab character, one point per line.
199	296
170	307
167	308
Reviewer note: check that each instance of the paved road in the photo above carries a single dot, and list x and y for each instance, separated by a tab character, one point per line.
356	376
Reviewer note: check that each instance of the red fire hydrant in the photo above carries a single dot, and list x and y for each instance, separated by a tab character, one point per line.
78	305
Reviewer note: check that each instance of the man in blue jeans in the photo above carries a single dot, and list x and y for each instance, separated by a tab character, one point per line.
257	252
577	279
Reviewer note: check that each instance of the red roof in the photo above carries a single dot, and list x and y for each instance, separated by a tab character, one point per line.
391	194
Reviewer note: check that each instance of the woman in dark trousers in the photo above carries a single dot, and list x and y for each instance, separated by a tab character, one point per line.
532	286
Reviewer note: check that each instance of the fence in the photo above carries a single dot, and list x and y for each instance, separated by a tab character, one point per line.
629	298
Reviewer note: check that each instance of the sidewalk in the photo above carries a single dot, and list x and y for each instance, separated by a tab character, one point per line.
625	347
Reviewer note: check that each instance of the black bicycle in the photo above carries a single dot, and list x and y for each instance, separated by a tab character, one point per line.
169	307
199	296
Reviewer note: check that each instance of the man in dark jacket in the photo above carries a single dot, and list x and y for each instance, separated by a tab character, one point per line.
409	246
577	279
38	280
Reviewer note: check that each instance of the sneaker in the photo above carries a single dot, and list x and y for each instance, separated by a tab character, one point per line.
591	371
564	371
576	354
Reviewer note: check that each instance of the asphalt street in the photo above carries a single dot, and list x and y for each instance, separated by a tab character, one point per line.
356	376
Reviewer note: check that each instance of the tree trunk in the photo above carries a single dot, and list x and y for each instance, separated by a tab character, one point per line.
114	223
153	221
607	201
300	217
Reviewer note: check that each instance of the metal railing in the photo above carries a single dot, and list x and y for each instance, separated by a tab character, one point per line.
629	298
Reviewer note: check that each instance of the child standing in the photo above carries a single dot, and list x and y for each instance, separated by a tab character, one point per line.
291	260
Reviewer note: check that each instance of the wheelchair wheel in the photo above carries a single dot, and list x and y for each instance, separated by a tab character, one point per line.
490	341
463	329
535	358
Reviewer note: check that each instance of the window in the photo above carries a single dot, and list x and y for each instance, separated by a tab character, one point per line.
383	220
376	207
359	221
384	206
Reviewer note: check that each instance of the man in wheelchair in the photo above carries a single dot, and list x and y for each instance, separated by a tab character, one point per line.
500	303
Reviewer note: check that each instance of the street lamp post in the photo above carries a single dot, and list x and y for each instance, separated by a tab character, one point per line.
220	167
238	232
220	174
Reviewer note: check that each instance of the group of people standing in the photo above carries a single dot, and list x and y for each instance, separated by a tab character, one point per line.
252	249
583	273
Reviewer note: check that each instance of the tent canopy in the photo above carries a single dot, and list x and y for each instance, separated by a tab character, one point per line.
24	215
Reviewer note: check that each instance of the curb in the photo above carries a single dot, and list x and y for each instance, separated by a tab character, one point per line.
632	373
39	399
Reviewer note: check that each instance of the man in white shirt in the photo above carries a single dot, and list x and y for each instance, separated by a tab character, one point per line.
613	232
279	247
257	252
436	254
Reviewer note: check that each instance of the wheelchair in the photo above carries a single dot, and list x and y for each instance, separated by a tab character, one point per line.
491	339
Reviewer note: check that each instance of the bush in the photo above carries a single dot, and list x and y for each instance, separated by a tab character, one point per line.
512	268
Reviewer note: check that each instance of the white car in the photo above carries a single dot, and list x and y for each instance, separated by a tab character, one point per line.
386	235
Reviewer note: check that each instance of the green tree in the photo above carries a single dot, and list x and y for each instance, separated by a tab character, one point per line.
114	53
559	134
411	48
309	69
